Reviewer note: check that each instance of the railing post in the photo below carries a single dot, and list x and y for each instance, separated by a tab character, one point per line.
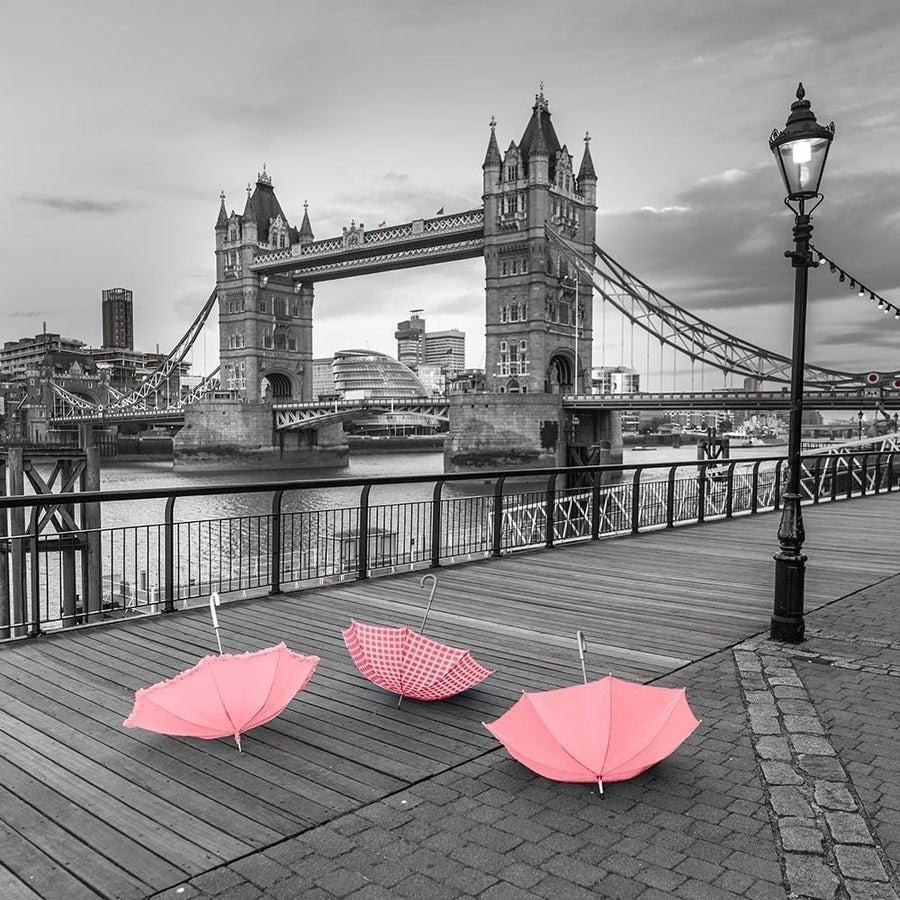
636	500
877	478
863	475
5	597
498	516
275	544
362	550
833	461
595	506
18	548
550	512
91	519
729	492
35	629
754	489
436	523
169	558
670	497
818	480
701	491
776	488
850	476
890	470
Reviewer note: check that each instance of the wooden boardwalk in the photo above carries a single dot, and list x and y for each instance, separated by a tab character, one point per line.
89	809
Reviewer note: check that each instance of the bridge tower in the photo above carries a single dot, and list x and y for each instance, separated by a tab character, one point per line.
538	323
538	318
265	350
265	323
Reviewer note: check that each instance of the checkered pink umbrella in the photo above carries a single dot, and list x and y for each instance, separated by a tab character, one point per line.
409	664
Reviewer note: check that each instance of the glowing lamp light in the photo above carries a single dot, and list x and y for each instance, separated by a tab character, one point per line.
801	149
801	152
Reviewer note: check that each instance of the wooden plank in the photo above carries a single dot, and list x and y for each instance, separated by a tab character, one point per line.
193	785
11	888
68	852
318	799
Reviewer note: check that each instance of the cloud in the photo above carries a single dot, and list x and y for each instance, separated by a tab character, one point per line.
77	204
717	251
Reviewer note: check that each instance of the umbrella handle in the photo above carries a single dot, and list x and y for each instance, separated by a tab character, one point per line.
430	599
214	601
582	647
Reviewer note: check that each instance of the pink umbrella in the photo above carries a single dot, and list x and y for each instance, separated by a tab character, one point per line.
606	730
223	695
409	664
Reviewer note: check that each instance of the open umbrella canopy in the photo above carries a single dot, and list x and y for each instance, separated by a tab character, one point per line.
409	664
606	730
223	695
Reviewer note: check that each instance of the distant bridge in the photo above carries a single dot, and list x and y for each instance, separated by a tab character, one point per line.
297	416
864	398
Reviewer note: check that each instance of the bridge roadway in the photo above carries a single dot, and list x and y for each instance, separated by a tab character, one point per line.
344	792
295	415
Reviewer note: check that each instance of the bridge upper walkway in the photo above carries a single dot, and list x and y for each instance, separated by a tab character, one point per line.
89	810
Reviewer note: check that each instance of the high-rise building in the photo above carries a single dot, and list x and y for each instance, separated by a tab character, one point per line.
446	349
410	337
19	359
118	319
323	378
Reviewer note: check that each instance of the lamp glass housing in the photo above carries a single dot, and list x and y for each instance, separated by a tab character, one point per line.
801	160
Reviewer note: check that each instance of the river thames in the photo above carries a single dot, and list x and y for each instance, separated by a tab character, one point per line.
161	474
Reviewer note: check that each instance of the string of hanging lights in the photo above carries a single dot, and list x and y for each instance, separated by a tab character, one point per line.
855	284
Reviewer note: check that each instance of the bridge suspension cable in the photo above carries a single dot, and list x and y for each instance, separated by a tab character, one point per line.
171	364
687	333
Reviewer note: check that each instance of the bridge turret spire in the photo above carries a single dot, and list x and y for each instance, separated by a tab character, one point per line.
492	157
306	232
587	164
222	221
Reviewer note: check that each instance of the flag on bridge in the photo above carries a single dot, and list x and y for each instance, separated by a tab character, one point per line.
382	223
440	212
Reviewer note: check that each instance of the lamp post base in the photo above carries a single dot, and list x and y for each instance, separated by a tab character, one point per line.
787	623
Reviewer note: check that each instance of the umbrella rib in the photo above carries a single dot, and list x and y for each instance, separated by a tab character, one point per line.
561	746
235	732
663	719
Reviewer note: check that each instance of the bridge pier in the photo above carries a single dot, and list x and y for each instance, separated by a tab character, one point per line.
522	431
230	434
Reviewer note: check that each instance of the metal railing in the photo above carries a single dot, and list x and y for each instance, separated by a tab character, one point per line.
60	576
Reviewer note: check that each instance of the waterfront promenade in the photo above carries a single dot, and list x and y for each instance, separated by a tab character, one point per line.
790	786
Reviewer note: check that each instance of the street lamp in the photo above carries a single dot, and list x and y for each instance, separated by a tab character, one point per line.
859	415
800	150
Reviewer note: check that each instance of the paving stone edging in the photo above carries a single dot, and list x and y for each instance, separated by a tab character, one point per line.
828	847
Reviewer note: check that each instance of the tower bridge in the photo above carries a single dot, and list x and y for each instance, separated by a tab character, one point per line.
536	233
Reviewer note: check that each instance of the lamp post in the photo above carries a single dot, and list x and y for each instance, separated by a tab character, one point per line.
859	416
800	150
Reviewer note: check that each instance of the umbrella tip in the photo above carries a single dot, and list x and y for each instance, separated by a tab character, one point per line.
237	740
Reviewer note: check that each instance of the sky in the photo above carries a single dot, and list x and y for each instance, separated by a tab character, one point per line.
123	121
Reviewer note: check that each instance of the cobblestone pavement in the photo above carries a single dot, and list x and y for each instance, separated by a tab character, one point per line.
790	788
